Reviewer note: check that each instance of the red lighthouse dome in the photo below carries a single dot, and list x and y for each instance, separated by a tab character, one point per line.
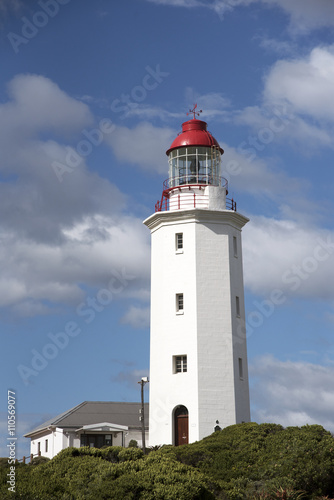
194	159
194	133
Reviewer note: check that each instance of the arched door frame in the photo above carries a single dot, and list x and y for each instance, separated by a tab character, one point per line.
180	425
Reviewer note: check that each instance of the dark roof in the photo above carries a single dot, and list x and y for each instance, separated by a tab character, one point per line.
94	412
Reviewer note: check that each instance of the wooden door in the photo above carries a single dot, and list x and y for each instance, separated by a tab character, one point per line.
181	434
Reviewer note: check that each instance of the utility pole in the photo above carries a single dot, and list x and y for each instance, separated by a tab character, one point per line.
142	382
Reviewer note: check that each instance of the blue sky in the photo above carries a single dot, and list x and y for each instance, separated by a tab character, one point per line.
91	96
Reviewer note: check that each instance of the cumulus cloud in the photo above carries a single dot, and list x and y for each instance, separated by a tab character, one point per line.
300	92
284	255
292	393
306	84
57	236
92	251
214	104
24	424
39	104
248	171
143	145
130	378
137	317
304	15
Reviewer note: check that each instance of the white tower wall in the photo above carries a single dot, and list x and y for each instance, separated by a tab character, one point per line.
209	330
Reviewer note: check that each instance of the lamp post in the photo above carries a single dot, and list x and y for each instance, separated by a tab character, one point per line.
142	382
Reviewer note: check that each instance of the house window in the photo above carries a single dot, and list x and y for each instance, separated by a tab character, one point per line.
96	440
235	246
241	370
179	303
39	447
179	364
179	242
237	306
46	446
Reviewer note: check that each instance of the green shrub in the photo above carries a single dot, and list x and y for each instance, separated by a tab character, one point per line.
133	443
39	460
130	454
241	462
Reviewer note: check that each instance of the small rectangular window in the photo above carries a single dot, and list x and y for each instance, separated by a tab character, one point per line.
180	364
235	246
46	446
39	447
241	371
237	306
179	302
179	242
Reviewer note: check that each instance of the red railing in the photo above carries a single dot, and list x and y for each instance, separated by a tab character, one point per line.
187	200
231	204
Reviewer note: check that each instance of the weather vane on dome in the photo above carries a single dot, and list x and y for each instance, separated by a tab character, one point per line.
194	111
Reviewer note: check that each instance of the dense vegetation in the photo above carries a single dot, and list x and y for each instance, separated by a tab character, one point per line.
245	461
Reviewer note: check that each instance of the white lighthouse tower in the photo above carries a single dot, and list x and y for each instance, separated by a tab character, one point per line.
198	353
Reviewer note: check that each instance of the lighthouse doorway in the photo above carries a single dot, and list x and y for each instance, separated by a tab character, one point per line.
181	426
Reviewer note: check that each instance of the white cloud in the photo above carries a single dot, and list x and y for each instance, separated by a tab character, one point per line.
24	424
214	104
304	15
220	7
278	46
130	378
297	104
284	255
38	104
137	317
143	145
306	84
91	253
292	393
247	171
55	236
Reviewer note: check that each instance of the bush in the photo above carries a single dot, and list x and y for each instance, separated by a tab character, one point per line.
241	462
133	443
130	454
39	460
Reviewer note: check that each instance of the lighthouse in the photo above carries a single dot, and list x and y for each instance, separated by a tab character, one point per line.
198	352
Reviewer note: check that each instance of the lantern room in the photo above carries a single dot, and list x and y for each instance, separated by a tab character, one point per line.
194	180
194	156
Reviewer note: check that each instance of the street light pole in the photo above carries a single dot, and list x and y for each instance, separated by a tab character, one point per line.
142	382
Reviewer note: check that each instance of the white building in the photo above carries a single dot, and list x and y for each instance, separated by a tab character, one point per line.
198	353
91	423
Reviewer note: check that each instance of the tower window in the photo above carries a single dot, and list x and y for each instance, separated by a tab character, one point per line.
179	242
237	306
179	364
179	303
241	370
235	246
46	446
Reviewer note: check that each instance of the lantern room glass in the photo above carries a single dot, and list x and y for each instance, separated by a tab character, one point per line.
194	165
